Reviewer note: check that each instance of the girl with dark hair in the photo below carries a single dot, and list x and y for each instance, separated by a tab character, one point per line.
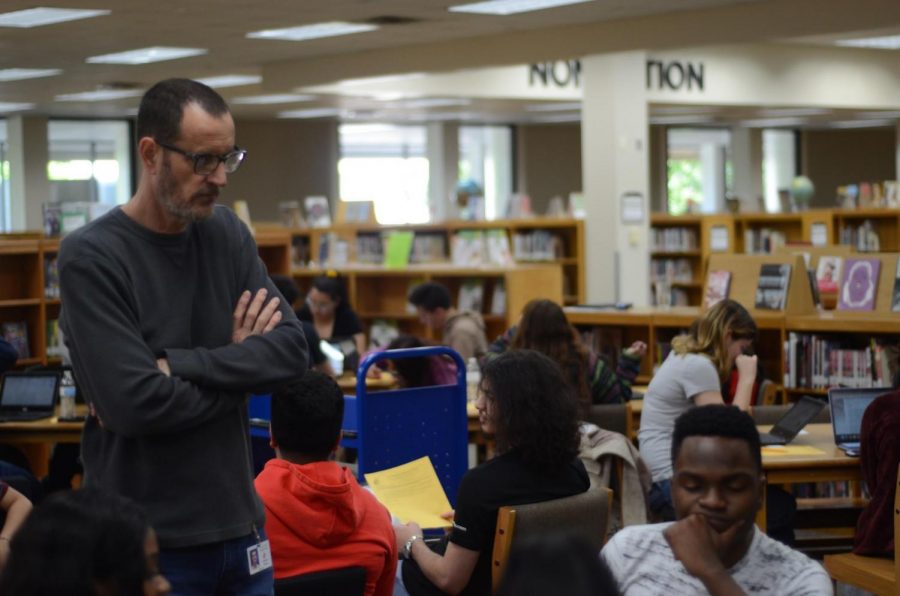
84	543
525	402
545	328
328	308
691	376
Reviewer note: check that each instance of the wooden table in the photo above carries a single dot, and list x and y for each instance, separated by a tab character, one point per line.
386	380
832	465
36	438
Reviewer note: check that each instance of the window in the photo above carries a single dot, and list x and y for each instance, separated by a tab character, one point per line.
699	168
90	161
5	200
485	165
779	168
386	164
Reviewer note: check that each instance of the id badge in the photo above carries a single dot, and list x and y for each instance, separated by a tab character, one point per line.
259	557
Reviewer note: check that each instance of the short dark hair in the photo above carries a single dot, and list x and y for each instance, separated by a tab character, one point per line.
430	296
76	539
307	415
717	421
333	285
162	107
288	288
537	411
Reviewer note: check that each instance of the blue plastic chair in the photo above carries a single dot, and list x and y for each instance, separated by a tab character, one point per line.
397	426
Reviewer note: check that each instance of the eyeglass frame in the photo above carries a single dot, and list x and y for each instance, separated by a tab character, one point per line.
320	307
196	157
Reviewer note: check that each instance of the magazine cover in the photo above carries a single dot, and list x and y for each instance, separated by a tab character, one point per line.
16	333
859	284
828	273
895	299
717	285
771	290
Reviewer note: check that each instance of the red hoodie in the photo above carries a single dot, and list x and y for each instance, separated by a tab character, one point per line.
319	518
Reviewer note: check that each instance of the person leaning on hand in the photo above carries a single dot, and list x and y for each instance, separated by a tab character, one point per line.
170	320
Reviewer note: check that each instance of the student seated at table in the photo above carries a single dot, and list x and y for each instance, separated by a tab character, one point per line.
84	542
462	330
14	508
715	546
328	308
317	515
525	402
879	454
291	293
419	372
545	328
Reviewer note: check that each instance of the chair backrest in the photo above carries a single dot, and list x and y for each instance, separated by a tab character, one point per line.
349	581
398	426
771	414
586	514
614	417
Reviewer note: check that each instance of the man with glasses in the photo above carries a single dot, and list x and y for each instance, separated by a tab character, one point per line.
171	320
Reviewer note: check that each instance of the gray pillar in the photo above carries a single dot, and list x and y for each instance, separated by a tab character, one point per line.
747	158
28	157
442	147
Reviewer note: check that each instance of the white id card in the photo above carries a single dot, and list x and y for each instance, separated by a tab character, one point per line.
259	557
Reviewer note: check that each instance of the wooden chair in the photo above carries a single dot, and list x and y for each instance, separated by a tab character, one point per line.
872	574
349	581
614	417
586	514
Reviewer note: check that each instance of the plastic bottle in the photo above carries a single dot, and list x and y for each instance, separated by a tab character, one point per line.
67	396
473	379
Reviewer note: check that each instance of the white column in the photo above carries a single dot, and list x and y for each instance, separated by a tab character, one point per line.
615	156
442	147
897	152
746	155
28	156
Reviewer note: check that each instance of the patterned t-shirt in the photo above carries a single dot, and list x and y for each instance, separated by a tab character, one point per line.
643	564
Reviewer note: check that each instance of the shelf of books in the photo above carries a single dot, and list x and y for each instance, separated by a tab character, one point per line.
868	230
676	258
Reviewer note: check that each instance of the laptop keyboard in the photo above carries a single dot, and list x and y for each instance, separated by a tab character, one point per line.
24	416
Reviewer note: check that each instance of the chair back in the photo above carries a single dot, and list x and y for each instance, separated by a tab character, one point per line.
349	581
398	426
585	514
614	417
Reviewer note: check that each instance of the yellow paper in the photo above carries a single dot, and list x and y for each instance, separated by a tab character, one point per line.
412	492
776	450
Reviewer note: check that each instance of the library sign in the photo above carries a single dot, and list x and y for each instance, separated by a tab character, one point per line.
561	73
673	75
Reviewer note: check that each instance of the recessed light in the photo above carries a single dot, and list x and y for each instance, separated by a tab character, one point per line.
888	42
20	74
507	7
312	113
272	98
315	31
230	80
36	17
146	55
6	106
559	106
100	95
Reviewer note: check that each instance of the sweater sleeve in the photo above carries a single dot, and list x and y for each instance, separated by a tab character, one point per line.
117	368
608	386
260	363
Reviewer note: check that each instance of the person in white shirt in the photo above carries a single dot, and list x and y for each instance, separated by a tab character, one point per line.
715	546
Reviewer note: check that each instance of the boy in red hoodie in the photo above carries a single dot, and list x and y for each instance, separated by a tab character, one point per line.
317	515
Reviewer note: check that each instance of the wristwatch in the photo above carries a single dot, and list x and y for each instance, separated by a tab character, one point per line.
406	553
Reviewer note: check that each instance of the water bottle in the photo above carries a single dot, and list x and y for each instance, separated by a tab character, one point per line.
67	396
473	379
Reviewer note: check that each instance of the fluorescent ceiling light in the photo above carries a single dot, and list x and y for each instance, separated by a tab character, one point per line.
559	106
35	17
146	55
232	80
862	124
311	113
558	118
790	112
380	79
677	120
774	122
433	102
100	95
675	110
316	31
6	106
505	7
19	74
888	42
880	115
271	99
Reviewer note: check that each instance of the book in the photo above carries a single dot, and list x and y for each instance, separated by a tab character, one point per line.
16	333
814	288
717	285
771	289
51	278
498	252
471	295
859	284
381	332
828	273
318	214
467	248
54	345
349	212
498	298
895	298
399	245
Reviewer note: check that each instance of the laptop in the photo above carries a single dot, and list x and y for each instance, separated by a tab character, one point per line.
793	421
28	395
847	408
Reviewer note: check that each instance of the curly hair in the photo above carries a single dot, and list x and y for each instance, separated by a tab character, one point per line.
717	421
545	328
307	415
430	296
535	409
709	333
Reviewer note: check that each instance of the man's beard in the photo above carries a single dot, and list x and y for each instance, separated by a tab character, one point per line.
168	190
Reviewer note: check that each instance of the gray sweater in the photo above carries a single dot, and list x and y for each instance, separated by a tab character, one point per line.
177	445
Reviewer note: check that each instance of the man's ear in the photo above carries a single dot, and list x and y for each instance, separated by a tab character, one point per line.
148	151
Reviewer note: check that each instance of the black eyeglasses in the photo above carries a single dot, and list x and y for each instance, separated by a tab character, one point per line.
206	163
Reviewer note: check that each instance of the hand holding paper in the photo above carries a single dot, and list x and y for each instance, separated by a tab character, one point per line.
412	492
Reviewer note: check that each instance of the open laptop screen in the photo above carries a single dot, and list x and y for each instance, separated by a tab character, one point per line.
847	409
29	391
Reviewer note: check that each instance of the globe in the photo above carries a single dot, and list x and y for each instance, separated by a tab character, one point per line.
802	190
